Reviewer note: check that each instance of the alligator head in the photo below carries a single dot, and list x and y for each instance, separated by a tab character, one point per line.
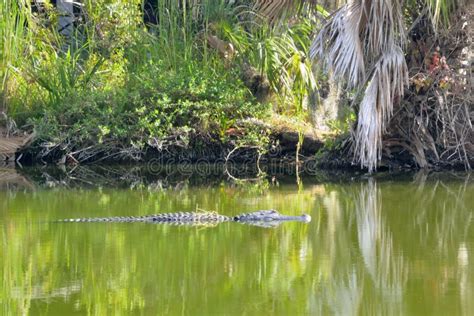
269	218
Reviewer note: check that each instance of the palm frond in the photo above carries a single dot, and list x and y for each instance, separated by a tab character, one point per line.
363	40
273	10
384	26
339	45
386	85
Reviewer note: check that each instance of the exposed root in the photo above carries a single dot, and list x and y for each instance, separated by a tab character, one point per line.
260	173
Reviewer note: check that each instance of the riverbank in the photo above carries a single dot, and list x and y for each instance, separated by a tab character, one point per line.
263	144
245	142
315	153
274	141
121	91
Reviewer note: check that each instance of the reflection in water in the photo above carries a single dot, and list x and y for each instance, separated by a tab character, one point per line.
12	181
375	246
384	266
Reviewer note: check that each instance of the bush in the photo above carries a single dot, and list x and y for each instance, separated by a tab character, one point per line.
151	102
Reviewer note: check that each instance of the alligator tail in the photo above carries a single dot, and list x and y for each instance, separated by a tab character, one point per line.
117	219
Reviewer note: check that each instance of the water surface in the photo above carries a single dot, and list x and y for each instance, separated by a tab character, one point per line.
376	246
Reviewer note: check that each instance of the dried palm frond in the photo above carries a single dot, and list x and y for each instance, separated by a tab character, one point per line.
384	25
386	85
273	10
363	40
339	45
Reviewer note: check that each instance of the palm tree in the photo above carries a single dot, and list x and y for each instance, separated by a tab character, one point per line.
362	43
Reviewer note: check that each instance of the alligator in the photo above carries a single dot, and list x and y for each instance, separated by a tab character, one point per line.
266	218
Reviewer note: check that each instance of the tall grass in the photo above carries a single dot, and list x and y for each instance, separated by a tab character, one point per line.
441	10
38	54
14	15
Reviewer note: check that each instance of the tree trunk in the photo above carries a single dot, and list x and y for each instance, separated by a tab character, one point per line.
324	105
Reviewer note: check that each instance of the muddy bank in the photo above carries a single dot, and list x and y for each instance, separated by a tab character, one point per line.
280	145
11	144
279	151
342	158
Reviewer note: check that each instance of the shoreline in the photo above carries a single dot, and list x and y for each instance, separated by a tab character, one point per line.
225	155
279	148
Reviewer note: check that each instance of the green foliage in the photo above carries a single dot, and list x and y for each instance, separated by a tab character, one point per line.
281	54
343	125
150	106
12	22
440	11
60	74
118	83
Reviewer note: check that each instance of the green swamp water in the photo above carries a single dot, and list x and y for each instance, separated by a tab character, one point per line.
389	245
